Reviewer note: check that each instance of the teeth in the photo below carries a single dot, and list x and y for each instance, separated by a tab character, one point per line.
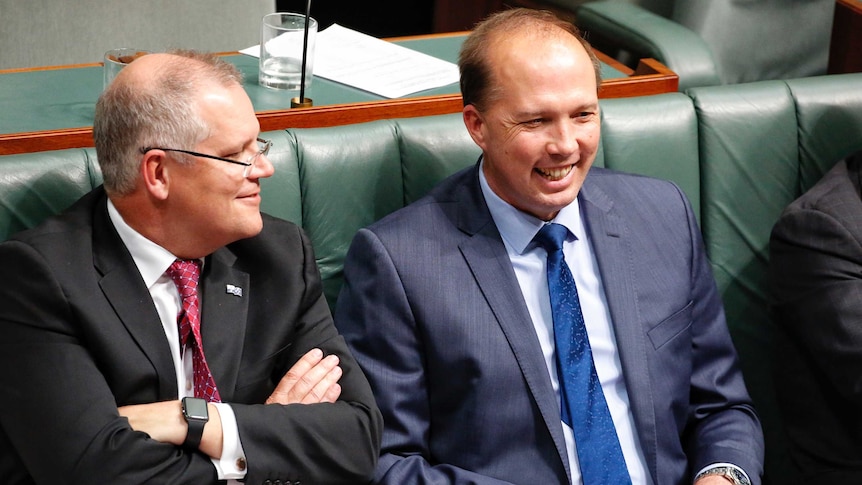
555	173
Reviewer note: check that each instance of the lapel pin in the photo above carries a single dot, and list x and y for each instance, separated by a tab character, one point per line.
233	290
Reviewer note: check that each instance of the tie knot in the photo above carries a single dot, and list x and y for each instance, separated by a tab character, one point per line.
185	274
551	237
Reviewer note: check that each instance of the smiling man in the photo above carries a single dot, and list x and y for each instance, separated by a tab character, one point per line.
162	330
536	320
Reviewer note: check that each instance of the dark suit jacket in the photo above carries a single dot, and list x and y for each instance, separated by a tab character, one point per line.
434	314
816	287
79	336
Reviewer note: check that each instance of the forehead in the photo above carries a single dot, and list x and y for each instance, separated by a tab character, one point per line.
551	65
227	109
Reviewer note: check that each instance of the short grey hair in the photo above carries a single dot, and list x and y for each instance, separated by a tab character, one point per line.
162	113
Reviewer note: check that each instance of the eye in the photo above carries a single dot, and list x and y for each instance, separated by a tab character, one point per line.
534	122
583	115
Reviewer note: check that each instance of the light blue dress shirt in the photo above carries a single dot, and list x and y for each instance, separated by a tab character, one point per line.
529	261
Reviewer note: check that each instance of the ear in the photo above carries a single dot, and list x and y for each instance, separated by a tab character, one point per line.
475	124
155	174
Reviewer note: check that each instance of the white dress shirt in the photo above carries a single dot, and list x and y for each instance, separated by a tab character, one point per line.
529	261
152	261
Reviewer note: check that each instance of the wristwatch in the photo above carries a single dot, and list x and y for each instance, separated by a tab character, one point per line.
196	415
733	474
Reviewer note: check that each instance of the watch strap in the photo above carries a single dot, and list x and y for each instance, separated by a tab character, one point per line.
195	425
731	473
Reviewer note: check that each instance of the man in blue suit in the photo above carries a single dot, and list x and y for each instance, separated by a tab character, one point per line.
446	303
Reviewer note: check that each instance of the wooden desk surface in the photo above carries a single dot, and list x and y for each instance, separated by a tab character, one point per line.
52	108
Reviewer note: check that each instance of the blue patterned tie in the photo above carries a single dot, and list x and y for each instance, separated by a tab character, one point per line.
583	404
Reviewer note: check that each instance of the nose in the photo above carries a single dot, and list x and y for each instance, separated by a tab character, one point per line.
262	168
563	140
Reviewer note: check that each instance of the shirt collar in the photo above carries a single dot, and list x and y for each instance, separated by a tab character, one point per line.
151	259
518	228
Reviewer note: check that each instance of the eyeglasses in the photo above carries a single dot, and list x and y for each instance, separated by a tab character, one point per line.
263	149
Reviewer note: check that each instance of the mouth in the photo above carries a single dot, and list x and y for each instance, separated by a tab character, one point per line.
555	173
253	196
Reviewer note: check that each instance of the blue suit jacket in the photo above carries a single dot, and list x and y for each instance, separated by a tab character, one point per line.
434	314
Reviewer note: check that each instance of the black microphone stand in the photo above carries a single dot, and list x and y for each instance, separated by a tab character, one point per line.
302	101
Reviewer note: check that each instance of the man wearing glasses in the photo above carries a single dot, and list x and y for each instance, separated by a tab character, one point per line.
162	330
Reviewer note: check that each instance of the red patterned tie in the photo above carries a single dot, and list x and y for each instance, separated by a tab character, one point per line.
185	274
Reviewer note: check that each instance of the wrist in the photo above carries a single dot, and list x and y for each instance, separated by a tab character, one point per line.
212	442
196	414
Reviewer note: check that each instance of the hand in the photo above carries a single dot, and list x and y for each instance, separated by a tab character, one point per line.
313	379
713	480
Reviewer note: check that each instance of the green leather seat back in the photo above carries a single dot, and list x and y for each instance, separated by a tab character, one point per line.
654	136
829	112
280	193
432	148
350	177
35	186
749	164
761	146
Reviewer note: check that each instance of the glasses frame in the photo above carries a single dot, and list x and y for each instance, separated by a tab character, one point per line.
267	144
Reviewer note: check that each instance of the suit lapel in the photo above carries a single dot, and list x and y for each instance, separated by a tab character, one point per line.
226	293
123	287
486	256
610	239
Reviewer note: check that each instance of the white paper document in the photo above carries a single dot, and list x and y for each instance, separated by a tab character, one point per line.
371	64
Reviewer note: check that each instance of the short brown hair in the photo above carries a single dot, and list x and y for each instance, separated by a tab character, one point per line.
476	86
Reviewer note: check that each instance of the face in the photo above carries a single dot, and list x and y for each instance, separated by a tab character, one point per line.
215	202
540	132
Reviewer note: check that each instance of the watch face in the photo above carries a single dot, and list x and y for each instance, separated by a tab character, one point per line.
195	409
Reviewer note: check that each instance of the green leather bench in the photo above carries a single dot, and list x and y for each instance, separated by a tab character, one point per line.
740	152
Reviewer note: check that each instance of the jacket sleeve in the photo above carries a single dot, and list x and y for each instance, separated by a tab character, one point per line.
318	443
376	318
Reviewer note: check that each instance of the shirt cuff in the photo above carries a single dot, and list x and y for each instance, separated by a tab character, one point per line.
716	465
232	465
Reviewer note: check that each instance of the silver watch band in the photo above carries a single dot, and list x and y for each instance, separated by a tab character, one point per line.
733	474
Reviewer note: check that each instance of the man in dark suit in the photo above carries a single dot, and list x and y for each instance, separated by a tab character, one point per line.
446	303
100	385
815	275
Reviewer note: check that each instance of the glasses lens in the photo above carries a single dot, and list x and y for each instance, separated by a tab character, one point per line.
263	147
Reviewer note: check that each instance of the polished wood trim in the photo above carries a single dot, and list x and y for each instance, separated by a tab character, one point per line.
650	77
37	141
845	48
48	68
346	114
439	35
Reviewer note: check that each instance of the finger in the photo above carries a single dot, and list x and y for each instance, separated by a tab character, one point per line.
305	388
307	362
321	391
295	387
333	393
